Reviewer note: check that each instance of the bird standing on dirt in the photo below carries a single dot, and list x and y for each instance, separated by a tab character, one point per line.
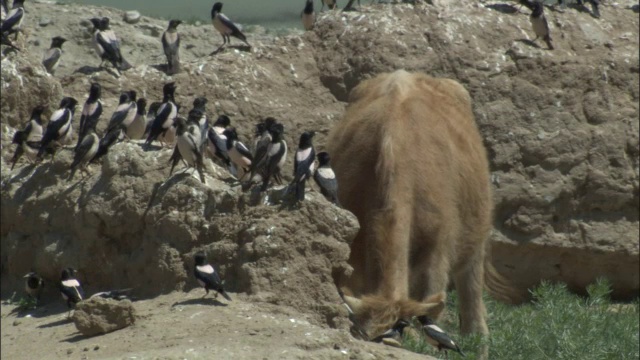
326	178
538	21
308	16
108	46
91	111
217	140
85	152
207	276
28	139
225	27
304	163
59	127
171	47
34	285
239	154
393	336
12	23
188	146
70	288
436	337
51	58
276	156
166	114
135	131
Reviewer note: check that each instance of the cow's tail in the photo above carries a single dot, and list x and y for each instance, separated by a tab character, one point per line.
499	287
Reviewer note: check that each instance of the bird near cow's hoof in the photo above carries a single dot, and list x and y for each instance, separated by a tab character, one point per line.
436	337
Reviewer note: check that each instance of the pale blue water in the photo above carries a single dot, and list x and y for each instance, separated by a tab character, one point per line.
272	14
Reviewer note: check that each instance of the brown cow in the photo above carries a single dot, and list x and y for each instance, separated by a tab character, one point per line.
411	166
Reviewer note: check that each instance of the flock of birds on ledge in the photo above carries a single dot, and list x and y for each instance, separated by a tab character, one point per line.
194	137
107	45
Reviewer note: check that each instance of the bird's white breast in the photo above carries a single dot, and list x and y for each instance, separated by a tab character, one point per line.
302	155
326	173
70	283
208	269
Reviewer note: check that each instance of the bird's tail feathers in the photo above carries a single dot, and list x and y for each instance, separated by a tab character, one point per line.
225	295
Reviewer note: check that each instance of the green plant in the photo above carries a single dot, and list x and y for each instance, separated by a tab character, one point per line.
555	325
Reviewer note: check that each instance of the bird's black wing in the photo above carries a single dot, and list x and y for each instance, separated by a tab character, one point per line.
53	128
118	117
231	26
21	135
301	168
52	57
12	19
158	124
442	338
106	142
328	186
82	150
110	45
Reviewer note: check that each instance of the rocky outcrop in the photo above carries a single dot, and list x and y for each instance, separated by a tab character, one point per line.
100	316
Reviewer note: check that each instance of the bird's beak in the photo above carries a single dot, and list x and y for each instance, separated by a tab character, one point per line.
26	276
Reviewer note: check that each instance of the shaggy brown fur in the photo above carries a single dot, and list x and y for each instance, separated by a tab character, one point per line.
412	167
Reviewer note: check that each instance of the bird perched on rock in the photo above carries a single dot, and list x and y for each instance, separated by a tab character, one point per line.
70	288
393	336
136	129
436	337
85	152
125	112
225	27
538	21
304	163
91	111
59	127
34	285
326	178
152	112
276	156
107	141
261	148
166	113
207	276
51	58
108	46
238	152
12	23
198	116
331	4
121	294
308	16
188	145
217	140
28	140
171	47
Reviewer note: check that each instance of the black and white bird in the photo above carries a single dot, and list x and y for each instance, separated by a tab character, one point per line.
331	4
12	23
239	154
85	152
70	288
120	294
304	163
171	47
51	58
198	116
125	113
28	139
188	140
136	130
276	156
107	141
166	114
34	285
394	335
59	129
151	115
225	27
325	178
108	46
436	337
217	140
538	21
308	16
262	144
91	111
207	276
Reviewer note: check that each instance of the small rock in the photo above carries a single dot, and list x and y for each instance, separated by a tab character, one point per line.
132	17
69	351
44	21
17	322
101	316
96	348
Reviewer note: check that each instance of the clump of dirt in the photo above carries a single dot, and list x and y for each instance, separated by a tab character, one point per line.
100	316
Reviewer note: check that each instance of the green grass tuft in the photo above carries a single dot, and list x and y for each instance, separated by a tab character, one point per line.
556	325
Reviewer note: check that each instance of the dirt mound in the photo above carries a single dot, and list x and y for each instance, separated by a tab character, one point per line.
100	316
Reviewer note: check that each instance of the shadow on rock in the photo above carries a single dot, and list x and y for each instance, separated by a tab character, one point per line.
529	42
503	8
56	323
88	70
200	301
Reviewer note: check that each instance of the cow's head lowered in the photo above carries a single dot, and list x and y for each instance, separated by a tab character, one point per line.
373	315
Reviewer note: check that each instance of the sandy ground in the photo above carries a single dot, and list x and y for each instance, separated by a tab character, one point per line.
185	326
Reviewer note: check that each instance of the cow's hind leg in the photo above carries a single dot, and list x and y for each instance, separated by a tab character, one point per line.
469	279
